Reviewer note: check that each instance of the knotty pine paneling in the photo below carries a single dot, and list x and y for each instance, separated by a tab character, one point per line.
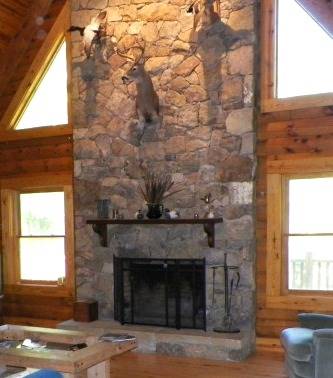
284	135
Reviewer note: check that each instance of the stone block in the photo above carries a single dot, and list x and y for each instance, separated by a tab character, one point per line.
187	66
240	121
241	60
242	19
159	12
241	193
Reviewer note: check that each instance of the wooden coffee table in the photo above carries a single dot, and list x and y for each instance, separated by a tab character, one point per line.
91	361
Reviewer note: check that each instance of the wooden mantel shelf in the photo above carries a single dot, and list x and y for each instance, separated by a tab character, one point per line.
100	226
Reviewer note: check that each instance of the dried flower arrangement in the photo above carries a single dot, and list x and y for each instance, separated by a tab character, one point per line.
157	187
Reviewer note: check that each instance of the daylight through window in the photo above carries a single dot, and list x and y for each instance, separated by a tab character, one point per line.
48	105
310	234
42	236
304	53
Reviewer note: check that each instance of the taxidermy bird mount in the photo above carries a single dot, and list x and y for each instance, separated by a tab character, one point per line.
91	33
147	101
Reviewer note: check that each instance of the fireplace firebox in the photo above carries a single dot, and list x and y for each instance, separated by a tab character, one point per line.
160	292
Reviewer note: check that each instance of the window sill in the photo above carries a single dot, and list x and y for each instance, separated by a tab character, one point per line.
271	105
37	132
35	289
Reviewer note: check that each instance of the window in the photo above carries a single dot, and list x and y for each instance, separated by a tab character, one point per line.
297	55
310	233
48	104
41	98
37	234
42	236
299	264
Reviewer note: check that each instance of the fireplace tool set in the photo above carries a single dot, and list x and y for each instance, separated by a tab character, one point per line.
231	282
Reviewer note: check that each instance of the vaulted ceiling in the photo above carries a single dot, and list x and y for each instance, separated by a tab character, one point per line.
12	16
24	25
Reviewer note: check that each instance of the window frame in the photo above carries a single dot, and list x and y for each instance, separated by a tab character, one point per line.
10	191
30	82
20	236
269	101
278	294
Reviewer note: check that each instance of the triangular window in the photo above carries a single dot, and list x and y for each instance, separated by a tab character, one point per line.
48	104
304	53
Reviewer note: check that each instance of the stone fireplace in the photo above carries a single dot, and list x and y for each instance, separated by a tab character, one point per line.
205	140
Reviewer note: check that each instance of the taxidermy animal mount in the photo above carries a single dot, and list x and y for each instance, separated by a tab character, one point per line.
147	102
206	12
91	33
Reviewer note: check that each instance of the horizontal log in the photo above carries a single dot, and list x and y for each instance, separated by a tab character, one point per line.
50	311
30	321
38	299
311	145
297	128
36	166
33	140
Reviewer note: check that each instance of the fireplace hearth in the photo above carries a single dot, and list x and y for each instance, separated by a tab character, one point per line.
160	292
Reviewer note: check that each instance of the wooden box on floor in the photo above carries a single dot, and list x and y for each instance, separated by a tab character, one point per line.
85	311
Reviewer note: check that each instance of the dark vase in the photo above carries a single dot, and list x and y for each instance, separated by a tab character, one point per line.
155	210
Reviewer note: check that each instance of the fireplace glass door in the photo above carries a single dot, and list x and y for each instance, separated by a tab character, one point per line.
160	292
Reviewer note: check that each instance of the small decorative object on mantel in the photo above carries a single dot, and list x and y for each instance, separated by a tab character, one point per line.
207	199
139	214
115	214
156	189
103	208
196	216
167	213
231	282
174	214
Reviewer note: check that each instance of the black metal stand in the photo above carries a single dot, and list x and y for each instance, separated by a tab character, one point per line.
227	326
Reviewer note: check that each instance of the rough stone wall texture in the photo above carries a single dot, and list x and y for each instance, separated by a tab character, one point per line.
205	139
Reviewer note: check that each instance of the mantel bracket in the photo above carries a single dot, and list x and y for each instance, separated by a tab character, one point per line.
209	229
102	231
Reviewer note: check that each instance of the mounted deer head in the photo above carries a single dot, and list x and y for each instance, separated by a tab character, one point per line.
147	102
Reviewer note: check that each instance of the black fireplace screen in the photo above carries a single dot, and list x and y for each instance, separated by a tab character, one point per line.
161	292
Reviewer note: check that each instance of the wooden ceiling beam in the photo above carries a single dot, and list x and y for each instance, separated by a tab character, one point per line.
14	53
321	11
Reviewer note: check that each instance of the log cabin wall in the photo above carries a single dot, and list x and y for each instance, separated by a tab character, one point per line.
26	158
288	135
284	133
27	154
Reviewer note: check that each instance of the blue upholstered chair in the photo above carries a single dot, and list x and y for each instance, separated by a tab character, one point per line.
309	348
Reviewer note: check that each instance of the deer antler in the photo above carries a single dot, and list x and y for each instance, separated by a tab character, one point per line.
123	55
135	60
